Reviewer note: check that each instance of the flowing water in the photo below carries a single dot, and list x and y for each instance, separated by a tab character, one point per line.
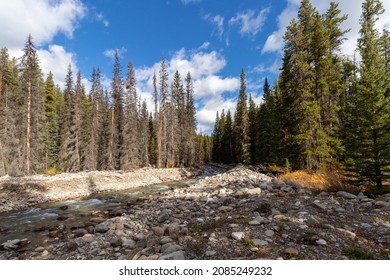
34	223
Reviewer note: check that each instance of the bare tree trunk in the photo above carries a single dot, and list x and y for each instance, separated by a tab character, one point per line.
28	140
159	142
111	151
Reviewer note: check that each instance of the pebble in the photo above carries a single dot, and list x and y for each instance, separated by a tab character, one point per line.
178	255
164	215
321	242
238	235
346	195
269	233
259	242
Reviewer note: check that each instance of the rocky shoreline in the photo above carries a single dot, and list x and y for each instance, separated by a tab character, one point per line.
239	214
18	193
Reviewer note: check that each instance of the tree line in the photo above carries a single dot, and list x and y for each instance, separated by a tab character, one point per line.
45	128
325	109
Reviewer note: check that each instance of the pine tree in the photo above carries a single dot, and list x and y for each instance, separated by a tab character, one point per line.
164	111
144	134
93	151
116	127
227	144
52	127
131	155
368	146
241	125
217	137
189	123
32	110
253	129
69	153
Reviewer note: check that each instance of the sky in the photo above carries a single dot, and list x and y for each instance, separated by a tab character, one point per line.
212	39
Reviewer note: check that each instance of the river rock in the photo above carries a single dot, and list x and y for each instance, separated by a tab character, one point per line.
321	242
269	233
254	191
80	232
259	242
164	215
128	243
172	248
238	235
178	255
159	231
346	195
101	228
13	245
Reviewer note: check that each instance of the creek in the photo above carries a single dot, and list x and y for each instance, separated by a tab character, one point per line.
35	223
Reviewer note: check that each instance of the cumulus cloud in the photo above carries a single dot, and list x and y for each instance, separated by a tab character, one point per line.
207	113
56	59
110	53
43	19
250	22
209	86
274	42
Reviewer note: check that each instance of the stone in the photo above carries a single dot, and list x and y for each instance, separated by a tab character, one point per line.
116	242
225	208
320	206
164	215
172	248
254	223
165	240
269	233
101	228
346	195
255	191
39	249
259	242
292	252
382	203
238	235
80	232
159	231
210	253
178	255
128	244
321	242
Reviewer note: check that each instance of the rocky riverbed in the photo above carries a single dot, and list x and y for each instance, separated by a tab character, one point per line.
239	214
18	193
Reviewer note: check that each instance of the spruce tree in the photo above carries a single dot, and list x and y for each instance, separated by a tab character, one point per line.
131	148
32	110
368	146
116	127
241	125
52	127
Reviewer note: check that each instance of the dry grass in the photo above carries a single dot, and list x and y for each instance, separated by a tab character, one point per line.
324	180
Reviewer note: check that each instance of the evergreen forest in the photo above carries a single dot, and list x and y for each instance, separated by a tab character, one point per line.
325	110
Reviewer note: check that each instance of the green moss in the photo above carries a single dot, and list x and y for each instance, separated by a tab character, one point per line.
353	253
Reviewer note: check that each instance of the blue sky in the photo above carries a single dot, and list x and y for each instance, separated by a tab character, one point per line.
212	39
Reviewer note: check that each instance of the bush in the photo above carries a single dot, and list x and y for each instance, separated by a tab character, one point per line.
357	254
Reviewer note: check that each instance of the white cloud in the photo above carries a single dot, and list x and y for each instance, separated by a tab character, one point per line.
186	2
100	17
43	19
204	46
56	59
110	53
250	23
275	40
206	115
218	22
209	87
